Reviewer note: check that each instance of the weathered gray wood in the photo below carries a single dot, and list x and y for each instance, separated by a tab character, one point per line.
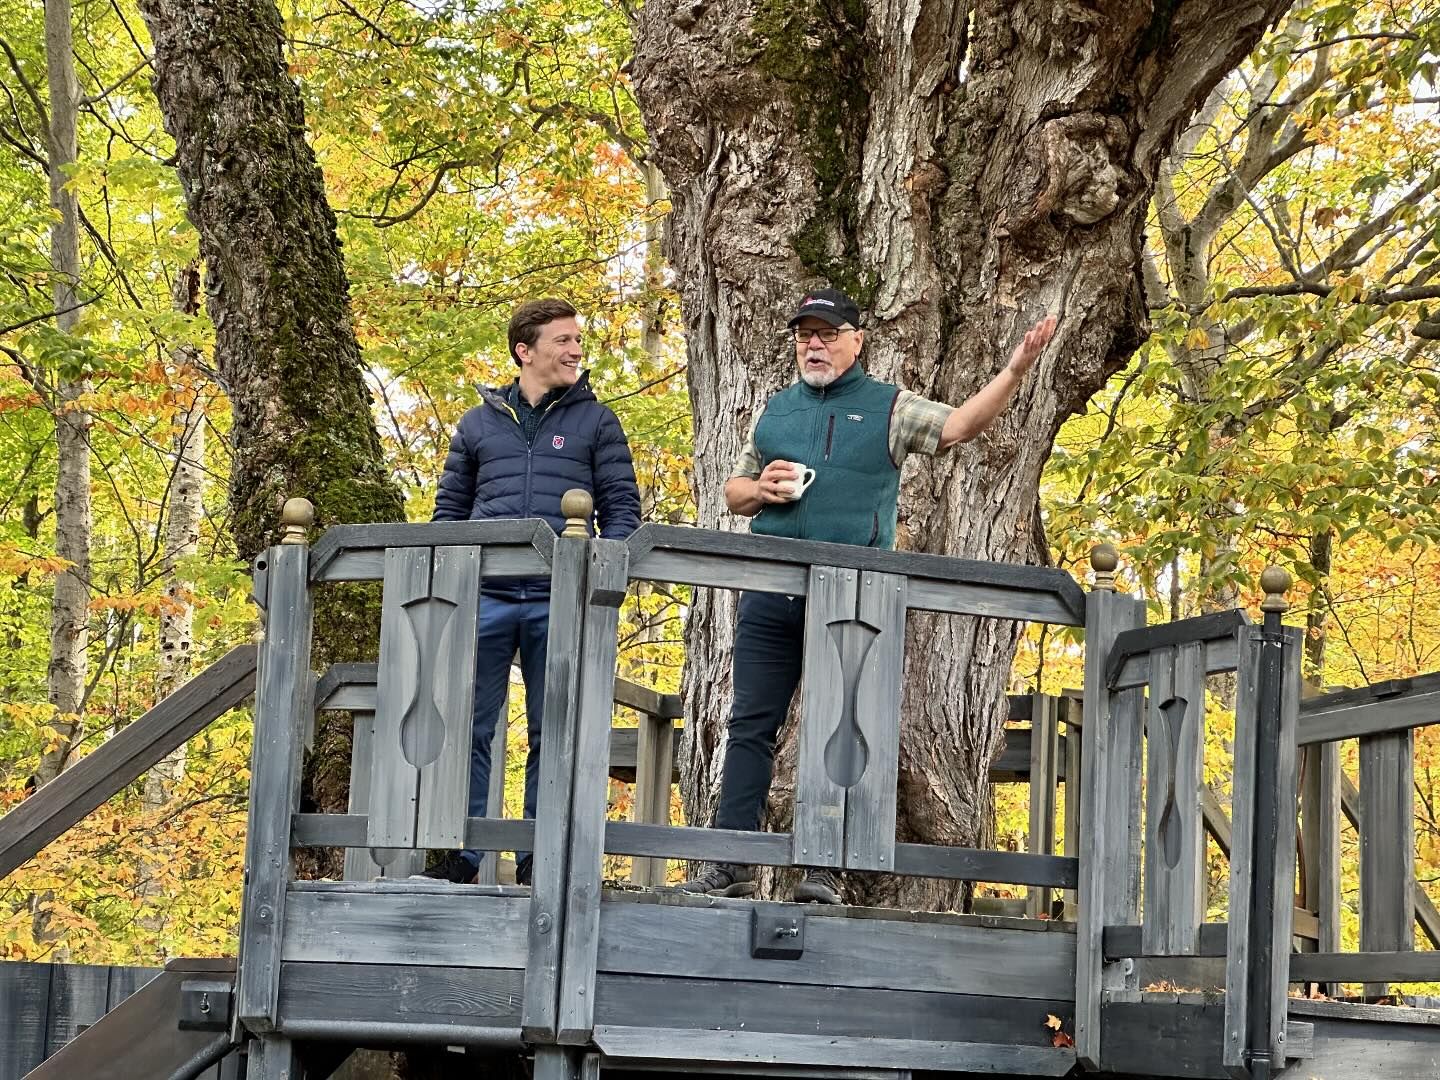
1242	855
556	786
111	1050
1320	842
870	802
1426	916
79	996
1110	764
449	681
1220	657
1217	628
605	590
1012	766
489	872
403	1003
394	782
764	1048
25	1007
421	764
974	864
282	702
1175	779
521	548
646	700
564	1063
363	863
655	764
1346	715
81	788
1044	757
349	831
818	1009
1252	651
427	926
1070	771
827	717
1372	968
272	1057
705	942
1387	845
1015	579
1183	1039
1216	823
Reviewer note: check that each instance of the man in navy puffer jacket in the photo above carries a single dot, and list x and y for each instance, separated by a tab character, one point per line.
513	457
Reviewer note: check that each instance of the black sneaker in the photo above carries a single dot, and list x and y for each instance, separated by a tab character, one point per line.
818	887
721	879
524	871
453	867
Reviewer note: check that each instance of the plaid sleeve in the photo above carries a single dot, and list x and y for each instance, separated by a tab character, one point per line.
915	425
748	464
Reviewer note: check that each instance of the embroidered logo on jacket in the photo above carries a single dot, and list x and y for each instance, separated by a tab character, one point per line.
854	416
558	442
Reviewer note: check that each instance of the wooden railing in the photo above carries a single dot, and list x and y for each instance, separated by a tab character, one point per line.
1145	717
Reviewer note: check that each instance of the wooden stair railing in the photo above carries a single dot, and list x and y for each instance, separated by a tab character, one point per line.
77	791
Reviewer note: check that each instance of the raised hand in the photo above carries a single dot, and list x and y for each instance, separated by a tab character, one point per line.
1029	349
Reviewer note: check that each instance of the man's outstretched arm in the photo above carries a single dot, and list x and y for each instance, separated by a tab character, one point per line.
977	413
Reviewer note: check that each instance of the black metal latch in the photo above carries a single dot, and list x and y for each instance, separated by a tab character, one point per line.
776	934
205	1004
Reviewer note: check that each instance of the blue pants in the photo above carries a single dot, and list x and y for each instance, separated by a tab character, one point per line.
769	653
506	626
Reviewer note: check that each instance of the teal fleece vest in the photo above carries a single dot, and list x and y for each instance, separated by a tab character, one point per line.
842	431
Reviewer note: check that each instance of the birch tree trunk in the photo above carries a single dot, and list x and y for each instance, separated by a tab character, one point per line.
69	619
962	170
182	535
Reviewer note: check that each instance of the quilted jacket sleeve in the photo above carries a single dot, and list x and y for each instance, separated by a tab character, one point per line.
617	497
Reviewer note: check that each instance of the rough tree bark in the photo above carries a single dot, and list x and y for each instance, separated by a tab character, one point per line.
962	170
275	283
276	290
69	610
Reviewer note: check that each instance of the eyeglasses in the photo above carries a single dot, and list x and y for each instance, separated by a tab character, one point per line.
827	335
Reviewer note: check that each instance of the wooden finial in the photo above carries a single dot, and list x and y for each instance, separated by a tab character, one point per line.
1103	560
295	518
578	506
1276	582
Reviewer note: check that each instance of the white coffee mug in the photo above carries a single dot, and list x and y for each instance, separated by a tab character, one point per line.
793	489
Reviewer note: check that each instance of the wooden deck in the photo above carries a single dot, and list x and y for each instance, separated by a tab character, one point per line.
593	977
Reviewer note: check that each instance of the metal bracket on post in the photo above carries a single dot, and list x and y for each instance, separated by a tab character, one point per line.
205	1004
776	933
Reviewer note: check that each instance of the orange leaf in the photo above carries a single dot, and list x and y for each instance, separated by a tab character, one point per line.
1052	1021
1061	1039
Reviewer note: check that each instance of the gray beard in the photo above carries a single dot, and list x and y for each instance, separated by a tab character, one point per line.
818	380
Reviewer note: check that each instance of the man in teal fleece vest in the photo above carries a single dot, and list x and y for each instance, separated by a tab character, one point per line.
854	432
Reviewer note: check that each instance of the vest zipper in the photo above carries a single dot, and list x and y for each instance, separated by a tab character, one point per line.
829	436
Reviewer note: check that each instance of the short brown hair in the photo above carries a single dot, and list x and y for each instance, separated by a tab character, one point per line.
530	318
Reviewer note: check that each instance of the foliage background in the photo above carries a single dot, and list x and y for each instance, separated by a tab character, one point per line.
478	153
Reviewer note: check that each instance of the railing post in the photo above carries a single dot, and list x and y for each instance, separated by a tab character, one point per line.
1109	801
1387	846
1044	758
540	1010
1262	863
654	763
605	584
283	701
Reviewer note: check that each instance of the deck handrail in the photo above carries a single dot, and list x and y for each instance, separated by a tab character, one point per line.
80	789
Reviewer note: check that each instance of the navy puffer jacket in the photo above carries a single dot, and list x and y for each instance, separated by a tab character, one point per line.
491	472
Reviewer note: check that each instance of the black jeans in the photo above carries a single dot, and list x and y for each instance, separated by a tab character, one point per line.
769	655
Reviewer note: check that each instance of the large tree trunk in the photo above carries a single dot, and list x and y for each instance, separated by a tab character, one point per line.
277	292
69	611
275	283
963	172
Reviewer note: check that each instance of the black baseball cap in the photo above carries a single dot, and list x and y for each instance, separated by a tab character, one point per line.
828	305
